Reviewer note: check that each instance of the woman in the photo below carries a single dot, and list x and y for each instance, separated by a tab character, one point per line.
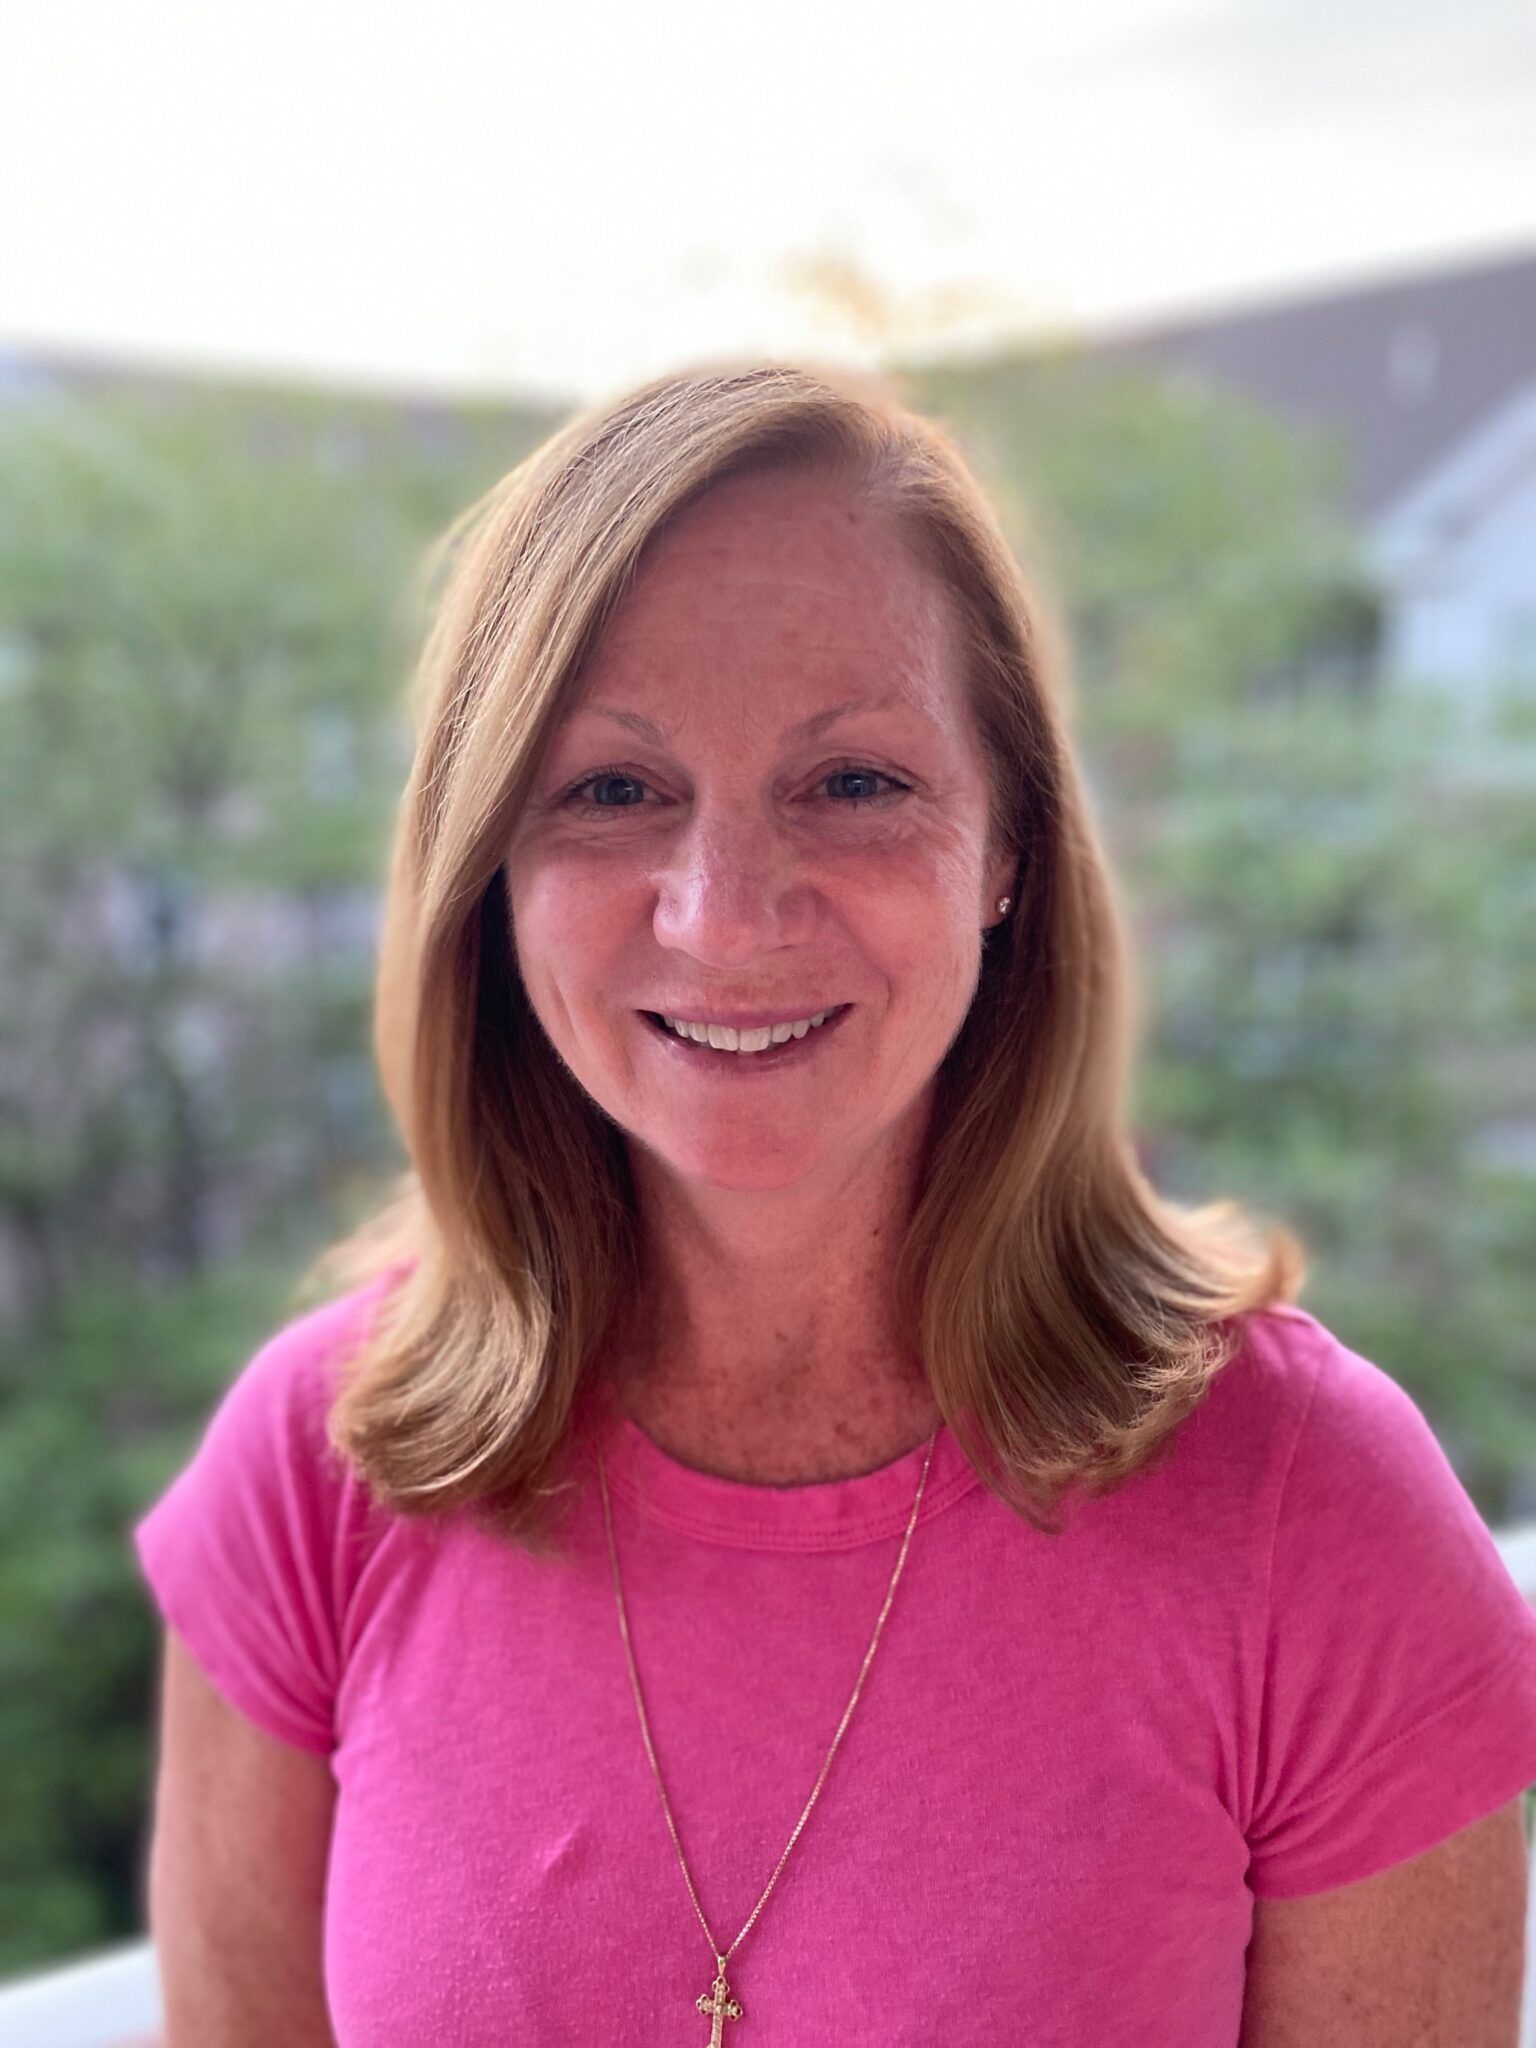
784	1535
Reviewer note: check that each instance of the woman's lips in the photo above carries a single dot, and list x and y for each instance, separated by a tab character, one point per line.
751	1020
708	1057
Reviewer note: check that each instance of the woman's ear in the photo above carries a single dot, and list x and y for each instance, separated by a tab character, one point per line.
1002	881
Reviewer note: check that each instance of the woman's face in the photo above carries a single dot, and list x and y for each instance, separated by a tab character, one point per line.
768	801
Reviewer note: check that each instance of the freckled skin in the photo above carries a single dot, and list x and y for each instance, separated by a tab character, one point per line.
728	868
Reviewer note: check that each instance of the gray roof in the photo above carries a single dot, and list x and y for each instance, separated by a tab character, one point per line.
1402	369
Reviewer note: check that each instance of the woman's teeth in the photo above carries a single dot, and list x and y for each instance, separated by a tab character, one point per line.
724	1039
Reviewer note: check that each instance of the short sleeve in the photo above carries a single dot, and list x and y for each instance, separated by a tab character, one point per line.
241	1551
1399	1697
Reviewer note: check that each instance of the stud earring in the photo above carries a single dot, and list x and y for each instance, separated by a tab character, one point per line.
1002	905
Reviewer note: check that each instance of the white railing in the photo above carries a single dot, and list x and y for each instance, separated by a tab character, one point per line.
108	2000
112	2000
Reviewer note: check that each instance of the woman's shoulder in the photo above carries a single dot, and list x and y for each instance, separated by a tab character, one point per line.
254	1549
1296	1413
1331	1453
1399	1654
1287	1371
267	1435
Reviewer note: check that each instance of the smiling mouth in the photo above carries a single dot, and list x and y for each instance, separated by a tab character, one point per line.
773	1054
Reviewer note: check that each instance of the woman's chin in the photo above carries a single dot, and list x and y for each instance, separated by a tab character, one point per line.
741	1161
742	1172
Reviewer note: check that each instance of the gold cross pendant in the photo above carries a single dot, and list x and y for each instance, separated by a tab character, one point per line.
719	2005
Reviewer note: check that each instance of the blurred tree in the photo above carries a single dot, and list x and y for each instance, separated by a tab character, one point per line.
204	613
206	608
94	1421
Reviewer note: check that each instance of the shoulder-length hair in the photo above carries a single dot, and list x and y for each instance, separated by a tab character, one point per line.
1069	1316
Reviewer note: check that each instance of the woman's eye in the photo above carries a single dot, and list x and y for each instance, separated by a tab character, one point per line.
578	801
866	775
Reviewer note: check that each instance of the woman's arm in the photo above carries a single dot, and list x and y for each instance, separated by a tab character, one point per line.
236	1873
1428	1954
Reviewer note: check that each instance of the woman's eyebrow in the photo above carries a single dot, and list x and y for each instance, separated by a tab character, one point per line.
808	728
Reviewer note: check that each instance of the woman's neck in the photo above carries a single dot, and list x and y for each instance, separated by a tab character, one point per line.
807	1392
781	1442
766	1344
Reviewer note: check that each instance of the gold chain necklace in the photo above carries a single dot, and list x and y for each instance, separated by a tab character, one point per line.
717	2003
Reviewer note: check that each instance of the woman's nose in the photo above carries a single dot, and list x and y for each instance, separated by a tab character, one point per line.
732	887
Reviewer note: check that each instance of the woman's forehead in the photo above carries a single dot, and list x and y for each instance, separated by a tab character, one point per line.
854	599
779	664
799	528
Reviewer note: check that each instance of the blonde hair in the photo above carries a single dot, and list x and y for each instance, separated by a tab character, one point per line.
1068	1315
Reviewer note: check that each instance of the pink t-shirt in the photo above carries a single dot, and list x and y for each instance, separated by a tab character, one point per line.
1285	1660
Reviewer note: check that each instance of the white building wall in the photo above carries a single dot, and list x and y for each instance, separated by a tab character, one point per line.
1457	557
1468	614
